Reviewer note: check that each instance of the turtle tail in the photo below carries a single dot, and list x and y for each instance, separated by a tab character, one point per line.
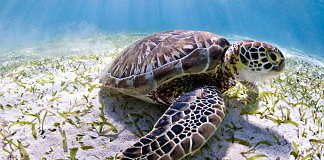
183	129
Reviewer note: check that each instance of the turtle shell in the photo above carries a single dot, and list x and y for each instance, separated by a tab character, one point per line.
160	57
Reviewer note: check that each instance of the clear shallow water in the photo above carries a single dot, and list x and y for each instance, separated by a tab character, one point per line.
74	27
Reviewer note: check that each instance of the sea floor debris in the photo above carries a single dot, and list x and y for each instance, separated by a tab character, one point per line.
49	109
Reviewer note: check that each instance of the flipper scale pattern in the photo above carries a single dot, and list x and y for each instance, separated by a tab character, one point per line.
183	129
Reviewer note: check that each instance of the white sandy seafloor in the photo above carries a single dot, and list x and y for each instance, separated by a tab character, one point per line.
50	109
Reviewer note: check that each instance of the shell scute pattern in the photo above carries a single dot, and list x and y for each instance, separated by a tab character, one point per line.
196	58
163	56
167	71
149	53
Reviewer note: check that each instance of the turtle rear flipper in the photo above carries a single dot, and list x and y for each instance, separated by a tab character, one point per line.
185	127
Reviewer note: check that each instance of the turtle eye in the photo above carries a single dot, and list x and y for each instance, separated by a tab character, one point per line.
273	56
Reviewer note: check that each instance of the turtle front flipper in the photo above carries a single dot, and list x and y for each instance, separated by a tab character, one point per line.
183	129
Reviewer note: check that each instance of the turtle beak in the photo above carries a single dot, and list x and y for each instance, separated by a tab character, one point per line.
279	67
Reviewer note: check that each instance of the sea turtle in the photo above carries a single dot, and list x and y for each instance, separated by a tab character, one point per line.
187	71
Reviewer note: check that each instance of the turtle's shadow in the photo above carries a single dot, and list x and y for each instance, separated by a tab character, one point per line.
138	117
239	126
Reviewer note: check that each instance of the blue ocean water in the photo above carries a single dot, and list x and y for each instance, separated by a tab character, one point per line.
297	24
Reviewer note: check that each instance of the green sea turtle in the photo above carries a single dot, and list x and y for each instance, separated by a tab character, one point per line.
187	71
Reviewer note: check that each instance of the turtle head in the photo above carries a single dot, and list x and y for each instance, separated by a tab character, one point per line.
256	60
